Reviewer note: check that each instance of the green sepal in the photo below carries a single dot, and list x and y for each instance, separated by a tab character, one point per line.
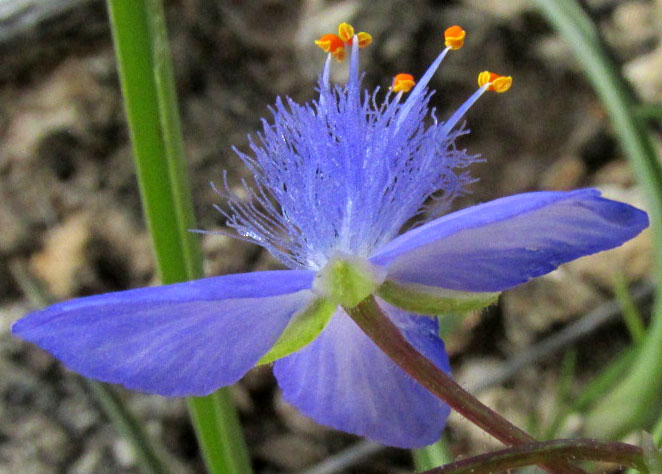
301	330
423	299
348	280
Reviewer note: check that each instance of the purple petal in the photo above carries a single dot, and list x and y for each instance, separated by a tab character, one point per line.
343	380
183	339
500	244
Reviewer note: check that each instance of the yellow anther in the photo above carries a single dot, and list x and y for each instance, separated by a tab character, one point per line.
454	37
496	82
502	84
346	32
324	45
403	83
365	39
484	78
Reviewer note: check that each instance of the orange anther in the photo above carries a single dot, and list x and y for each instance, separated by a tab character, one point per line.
403	83
346	32
454	37
330	43
365	39
496	82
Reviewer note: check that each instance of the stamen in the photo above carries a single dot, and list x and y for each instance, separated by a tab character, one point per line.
403	83
332	44
494	82
454	37
487	81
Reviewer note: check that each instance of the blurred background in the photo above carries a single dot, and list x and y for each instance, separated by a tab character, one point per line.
71	223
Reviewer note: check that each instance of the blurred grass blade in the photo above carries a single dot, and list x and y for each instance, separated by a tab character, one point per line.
561	409
120	417
143	57
432	456
605	381
649	112
633	320
631	403
148	458
572	9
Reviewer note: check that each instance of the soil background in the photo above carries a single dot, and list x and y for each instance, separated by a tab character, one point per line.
71	223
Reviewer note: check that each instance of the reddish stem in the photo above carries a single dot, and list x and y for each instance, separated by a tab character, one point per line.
370	318
546	452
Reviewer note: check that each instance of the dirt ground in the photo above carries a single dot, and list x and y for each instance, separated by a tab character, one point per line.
70	216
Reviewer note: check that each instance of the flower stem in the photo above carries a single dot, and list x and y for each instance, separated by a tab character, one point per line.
370	318
145	69
546	453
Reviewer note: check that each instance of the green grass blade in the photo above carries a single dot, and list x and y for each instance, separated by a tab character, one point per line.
133	46
173	142
145	69
219	429
631	403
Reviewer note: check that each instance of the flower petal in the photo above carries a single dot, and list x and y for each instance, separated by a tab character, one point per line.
183	339
502	243
342	379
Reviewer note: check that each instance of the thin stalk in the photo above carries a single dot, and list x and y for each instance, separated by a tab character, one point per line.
546	452
629	405
370	318
145	70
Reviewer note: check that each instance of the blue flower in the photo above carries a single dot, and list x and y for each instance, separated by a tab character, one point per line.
336	182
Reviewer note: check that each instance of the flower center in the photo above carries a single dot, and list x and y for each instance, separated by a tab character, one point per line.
346	280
